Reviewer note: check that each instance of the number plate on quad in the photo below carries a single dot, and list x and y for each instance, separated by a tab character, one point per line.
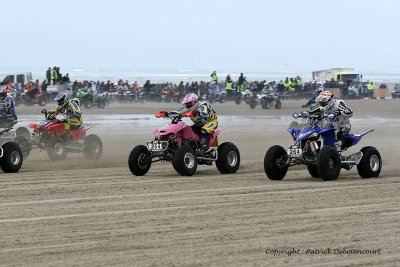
294	151
157	145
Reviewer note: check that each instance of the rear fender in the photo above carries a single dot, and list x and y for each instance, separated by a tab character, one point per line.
80	133
188	133
359	136
213	141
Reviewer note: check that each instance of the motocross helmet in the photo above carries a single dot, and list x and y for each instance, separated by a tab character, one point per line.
191	101
3	92
61	98
325	100
318	91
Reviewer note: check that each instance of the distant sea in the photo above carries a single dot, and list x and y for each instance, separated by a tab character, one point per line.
186	75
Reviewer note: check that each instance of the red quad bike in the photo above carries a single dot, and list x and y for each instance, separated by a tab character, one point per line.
178	144
50	135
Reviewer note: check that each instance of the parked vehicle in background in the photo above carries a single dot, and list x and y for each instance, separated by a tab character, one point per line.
18	77
88	99
396	91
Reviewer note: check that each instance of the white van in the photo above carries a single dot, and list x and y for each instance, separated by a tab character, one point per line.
20	77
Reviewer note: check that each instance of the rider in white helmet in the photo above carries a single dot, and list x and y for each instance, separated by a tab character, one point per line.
7	108
313	100
204	121
326	104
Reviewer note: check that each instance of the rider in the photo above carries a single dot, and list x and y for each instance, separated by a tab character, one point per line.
205	119
327	104
7	108
70	109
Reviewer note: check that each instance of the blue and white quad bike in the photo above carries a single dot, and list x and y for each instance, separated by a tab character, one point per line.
316	147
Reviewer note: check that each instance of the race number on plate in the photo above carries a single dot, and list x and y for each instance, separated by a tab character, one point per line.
156	146
295	151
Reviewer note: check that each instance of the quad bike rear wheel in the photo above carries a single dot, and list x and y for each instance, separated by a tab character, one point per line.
92	147
371	163
228	158
12	158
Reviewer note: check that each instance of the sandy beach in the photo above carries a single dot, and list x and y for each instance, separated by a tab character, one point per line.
85	213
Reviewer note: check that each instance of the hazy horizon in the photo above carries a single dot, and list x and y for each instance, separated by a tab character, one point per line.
224	35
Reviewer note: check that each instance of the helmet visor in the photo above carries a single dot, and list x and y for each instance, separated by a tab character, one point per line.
189	105
324	104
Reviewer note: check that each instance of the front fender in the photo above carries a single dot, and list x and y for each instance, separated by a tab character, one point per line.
170	128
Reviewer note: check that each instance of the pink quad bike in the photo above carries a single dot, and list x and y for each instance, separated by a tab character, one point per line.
179	144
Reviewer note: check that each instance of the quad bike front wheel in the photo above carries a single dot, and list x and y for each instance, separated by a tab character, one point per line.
185	161
253	103
92	147
274	163
22	131
42	100
228	158
278	104
238	100
313	171
265	104
371	163
102	104
328	163
136	160
24	145
12	158
56	150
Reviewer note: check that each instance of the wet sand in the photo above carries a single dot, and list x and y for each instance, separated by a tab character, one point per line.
82	213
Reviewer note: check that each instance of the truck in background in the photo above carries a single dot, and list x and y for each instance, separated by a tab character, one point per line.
18	77
337	74
350	82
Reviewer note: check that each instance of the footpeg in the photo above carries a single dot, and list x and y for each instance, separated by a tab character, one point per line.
356	157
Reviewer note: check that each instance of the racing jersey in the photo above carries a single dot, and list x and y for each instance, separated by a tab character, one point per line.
73	112
203	114
342	120
8	108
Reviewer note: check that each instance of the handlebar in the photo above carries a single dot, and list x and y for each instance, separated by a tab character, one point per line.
317	117
51	115
175	117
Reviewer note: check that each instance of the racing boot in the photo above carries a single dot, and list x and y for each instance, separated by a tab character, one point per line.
203	147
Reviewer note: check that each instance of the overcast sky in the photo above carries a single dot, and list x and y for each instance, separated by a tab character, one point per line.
251	35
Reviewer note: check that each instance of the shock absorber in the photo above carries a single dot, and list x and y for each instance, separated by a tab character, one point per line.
314	146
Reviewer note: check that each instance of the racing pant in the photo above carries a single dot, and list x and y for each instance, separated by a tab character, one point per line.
73	123
205	132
